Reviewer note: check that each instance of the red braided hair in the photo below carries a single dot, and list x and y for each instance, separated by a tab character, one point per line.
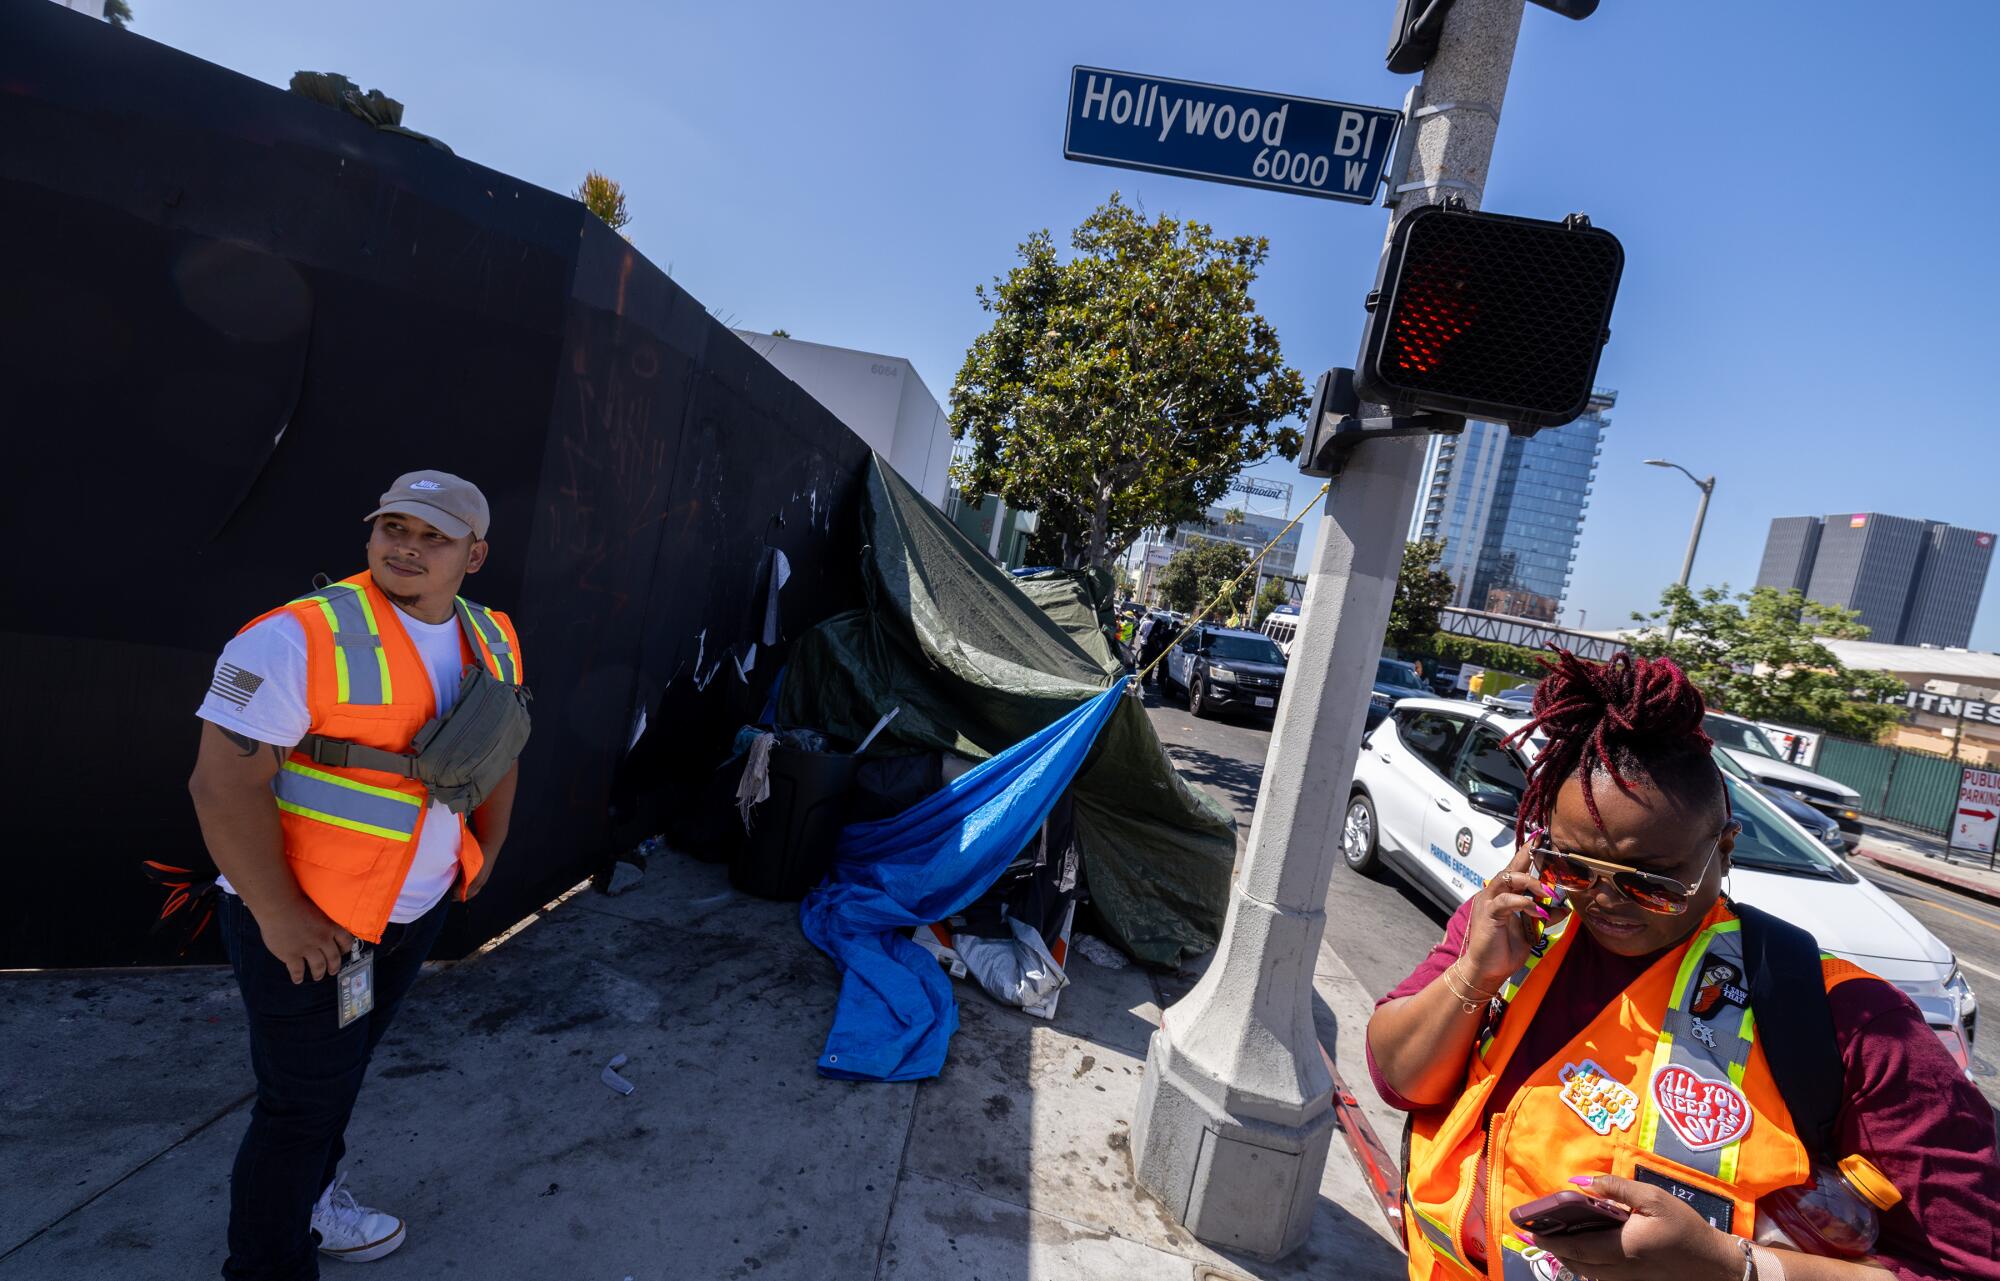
1630	717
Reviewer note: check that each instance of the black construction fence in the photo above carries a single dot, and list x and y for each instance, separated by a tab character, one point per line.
229	317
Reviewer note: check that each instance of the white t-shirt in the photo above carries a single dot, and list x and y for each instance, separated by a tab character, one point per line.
259	690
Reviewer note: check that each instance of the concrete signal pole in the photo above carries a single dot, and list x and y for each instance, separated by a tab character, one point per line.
1236	1113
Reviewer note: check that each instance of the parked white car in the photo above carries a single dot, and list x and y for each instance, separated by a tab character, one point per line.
1434	797
1749	746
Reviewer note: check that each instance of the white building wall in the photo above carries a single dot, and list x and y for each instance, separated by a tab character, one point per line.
880	398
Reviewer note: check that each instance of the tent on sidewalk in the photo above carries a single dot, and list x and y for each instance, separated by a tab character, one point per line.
976	667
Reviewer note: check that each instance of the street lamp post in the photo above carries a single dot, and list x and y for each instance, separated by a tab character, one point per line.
1707	487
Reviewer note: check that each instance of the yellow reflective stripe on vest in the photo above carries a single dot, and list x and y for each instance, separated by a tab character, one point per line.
343	802
1726	1168
1436	1235
1512	987
339	655
489	641
381	654
1663	1049
1713	1047
360	664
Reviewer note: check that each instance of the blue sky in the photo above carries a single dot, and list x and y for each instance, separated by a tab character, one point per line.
1810	290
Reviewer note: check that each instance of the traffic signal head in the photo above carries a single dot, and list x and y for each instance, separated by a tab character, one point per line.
1489	316
1417	25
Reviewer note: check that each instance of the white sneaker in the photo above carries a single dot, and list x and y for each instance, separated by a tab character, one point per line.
351	1232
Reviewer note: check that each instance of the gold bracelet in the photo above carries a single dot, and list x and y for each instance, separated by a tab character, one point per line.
1471	1004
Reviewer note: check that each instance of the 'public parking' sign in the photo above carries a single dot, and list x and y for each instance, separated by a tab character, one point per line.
1977	820
1333	150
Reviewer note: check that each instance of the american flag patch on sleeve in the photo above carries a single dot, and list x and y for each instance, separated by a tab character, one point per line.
233	684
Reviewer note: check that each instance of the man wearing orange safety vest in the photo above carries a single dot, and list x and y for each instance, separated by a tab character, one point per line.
336	877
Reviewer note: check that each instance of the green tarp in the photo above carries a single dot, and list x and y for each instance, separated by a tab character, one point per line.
1078	602
976	666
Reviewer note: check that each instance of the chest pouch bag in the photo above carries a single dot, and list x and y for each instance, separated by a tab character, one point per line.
459	757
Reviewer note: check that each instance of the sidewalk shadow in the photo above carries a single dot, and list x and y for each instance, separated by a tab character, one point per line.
1235	781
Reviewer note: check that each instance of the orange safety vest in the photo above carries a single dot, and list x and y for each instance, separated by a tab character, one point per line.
1668	1080
351	833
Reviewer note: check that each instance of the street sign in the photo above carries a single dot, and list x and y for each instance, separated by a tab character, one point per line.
1977	819
1307	146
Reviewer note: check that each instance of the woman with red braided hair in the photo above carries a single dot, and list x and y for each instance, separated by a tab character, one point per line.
1586	1026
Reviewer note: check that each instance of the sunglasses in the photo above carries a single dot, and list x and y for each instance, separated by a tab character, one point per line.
1663	895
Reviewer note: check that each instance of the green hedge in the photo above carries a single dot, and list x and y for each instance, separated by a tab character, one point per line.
1451	648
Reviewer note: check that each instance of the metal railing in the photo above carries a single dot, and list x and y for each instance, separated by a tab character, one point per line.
1916	789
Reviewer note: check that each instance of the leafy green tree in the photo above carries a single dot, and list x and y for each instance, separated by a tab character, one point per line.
605	198
1199	571
1273	594
1757	654
1125	387
1422	590
118	13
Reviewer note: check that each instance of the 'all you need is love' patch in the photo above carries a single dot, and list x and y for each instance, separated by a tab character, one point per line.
1703	1112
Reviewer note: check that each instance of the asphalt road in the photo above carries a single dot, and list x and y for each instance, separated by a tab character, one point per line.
1382	928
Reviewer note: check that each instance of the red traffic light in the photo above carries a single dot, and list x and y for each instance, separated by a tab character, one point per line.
1490	316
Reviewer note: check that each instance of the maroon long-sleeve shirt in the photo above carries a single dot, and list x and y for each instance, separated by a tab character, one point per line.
1909	1108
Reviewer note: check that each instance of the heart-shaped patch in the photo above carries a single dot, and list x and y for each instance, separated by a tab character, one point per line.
1705	1113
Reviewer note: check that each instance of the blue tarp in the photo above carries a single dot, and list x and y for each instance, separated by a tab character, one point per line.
896	1012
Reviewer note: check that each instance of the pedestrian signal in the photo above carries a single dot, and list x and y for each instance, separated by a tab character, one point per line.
1489	316
1417	25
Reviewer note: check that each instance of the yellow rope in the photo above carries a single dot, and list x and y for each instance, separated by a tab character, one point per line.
1139	677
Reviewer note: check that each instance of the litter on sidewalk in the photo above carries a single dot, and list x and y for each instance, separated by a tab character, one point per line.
611	1078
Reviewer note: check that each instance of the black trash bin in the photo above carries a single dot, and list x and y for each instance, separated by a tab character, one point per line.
790	844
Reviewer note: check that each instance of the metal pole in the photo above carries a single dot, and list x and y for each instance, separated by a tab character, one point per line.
1707	487
1694	539
1235	1114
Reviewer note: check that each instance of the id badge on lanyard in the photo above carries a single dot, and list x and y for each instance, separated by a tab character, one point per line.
356	984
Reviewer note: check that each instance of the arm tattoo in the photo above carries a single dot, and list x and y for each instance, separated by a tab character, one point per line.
250	745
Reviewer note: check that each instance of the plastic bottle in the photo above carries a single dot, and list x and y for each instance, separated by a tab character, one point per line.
1838	1215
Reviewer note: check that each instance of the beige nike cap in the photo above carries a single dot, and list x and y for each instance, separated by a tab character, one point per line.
452	503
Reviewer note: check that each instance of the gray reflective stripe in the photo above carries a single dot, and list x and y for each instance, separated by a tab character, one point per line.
316	795
1731	1030
480	627
1439	1239
359	643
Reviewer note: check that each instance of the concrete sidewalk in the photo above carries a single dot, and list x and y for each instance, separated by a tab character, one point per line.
484	1122
1929	858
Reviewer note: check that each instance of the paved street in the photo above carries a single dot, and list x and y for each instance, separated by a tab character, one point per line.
1381	928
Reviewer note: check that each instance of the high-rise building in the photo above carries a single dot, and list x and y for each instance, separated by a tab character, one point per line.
1789	552
1867	562
1948	587
1913	582
1510	509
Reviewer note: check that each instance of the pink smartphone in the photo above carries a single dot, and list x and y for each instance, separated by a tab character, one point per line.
1567	1213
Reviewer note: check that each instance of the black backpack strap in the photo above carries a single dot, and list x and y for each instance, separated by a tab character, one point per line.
1795	1024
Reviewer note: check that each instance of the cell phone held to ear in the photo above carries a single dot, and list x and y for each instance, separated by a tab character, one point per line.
1568	1213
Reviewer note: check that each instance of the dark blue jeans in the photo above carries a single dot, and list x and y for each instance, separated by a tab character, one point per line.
309	1072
